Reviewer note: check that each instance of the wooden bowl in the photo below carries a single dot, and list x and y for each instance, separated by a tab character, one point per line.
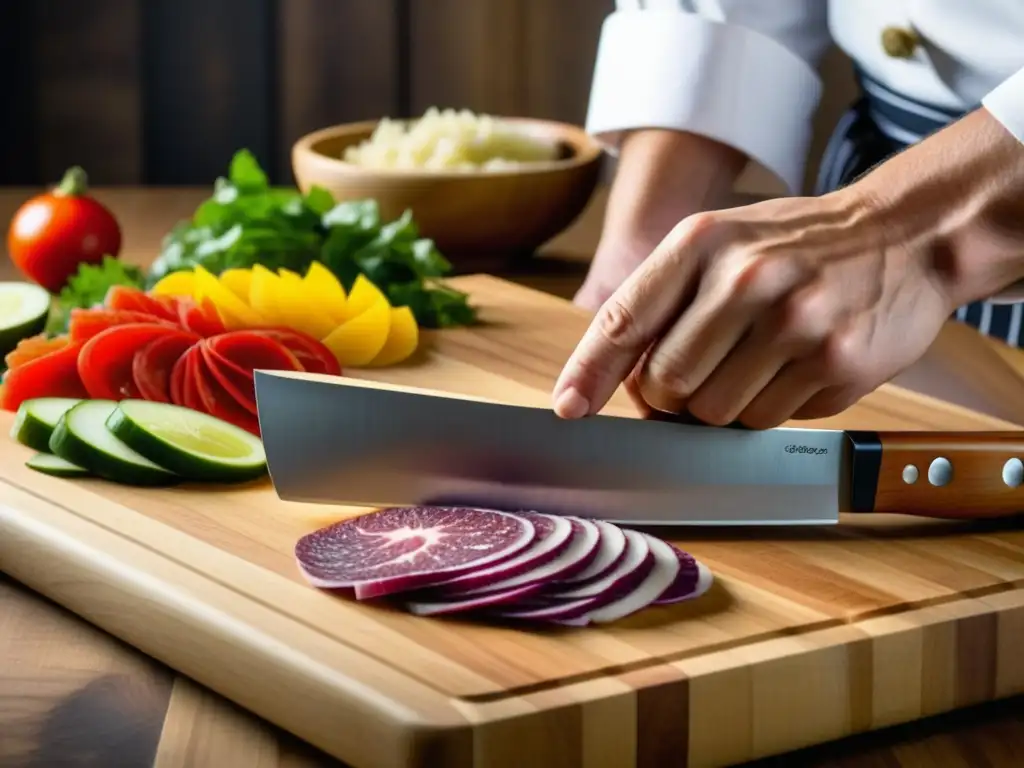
478	219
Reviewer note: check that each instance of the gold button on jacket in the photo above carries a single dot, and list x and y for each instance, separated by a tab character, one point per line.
899	42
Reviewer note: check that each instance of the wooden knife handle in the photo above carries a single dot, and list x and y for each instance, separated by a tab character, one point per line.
966	475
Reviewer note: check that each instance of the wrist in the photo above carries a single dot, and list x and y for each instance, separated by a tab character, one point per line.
663	176
956	200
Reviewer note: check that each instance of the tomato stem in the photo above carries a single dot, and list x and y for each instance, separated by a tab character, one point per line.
74	184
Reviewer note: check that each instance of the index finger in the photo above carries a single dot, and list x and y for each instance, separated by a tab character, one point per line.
624	327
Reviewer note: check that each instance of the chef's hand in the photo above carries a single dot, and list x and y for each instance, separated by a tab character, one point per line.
796	308
662	177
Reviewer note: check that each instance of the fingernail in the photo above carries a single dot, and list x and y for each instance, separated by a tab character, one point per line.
571	404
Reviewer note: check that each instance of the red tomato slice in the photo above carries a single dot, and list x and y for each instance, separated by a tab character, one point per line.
201	319
105	363
176	388
250	350
217	401
313	354
236	382
153	364
52	375
190	383
128	299
87	323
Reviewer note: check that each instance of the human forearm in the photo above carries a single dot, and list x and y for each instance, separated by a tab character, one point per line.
663	177
958	200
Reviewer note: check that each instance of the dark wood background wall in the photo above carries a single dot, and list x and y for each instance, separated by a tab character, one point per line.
164	91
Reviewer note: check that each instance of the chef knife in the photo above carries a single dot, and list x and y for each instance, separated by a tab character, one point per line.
343	441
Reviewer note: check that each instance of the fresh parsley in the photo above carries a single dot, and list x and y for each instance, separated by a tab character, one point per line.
246	221
88	287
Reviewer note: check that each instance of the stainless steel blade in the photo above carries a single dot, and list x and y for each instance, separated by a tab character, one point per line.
341	441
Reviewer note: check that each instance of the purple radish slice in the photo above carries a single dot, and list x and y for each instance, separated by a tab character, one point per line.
553	536
611	550
632	569
685	580
581	548
561	613
698	587
455	605
623	577
659	578
401	548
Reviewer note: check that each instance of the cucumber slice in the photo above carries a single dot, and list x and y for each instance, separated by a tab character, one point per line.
37	418
24	308
82	437
49	464
193	444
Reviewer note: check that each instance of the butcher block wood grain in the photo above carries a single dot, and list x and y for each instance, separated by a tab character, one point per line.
807	635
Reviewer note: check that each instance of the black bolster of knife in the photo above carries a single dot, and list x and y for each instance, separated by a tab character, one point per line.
865	465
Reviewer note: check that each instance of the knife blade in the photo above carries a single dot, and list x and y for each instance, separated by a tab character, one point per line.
337	440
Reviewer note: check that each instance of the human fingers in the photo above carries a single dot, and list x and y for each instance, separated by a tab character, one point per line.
735	294
791	331
627	323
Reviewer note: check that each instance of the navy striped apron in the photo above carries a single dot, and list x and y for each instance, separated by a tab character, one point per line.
880	124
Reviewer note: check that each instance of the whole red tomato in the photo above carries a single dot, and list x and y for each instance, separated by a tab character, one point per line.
55	232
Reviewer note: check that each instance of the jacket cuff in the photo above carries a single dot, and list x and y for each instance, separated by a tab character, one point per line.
676	70
1006	104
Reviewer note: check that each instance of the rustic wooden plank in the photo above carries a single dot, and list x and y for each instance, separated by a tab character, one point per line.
18	146
339	63
87	89
467	54
209	87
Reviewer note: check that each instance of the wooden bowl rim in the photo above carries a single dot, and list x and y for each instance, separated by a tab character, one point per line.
587	151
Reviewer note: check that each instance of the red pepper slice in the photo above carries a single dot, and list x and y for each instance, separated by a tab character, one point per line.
128	299
190	384
52	375
314	356
33	348
153	364
176	386
250	350
240	384
105	362
201	319
216	400
84	324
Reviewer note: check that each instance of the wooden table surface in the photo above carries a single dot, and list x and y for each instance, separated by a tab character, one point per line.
70	695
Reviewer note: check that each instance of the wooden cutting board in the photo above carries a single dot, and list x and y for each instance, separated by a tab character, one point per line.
807	635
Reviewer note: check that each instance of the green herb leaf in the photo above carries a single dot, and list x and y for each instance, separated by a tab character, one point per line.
88	287
247	222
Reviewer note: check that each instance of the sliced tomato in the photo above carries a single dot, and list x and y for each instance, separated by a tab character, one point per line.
33	348
52	375
238	383
190	384
84	324
105	362
312	353
176	388
216	400
200	318
152	365
127	299
250	350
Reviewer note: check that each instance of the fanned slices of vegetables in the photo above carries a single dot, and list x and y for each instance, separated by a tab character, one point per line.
360	328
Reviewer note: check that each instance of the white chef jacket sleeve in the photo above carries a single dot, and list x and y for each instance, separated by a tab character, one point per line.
1006	104
742	72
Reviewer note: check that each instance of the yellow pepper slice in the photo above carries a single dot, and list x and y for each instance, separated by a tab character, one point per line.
175	284
363	295
325	292
403	338
263	295
237	281
300	311
232	310
359	340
